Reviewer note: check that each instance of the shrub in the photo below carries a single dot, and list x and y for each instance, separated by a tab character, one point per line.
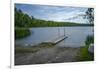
21	33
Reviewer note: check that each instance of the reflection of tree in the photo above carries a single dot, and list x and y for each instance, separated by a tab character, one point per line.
90	15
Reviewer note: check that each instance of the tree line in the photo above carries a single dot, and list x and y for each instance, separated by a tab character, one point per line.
24	20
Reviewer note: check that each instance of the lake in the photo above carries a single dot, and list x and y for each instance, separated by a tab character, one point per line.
76	35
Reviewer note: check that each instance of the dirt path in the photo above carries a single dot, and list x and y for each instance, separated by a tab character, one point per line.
48	55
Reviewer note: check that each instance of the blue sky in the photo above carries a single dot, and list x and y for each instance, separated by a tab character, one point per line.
54	13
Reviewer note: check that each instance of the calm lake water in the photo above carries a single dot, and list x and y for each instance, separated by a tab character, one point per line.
76	35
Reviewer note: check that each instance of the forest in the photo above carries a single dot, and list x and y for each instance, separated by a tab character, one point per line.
24	20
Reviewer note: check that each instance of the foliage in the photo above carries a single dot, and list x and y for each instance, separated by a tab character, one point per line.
84	54
25	50
90	15
89	39
24	20
20	33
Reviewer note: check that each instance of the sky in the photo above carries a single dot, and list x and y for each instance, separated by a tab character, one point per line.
54	13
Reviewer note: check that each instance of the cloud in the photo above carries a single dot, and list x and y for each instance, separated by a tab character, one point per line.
54	13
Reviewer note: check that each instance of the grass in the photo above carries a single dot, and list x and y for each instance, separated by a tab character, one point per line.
25	50
89	39
21	33
84	54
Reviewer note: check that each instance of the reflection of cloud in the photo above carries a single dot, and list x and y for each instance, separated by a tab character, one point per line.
55	13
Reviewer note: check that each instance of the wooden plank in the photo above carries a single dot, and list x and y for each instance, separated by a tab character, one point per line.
60	39
56	40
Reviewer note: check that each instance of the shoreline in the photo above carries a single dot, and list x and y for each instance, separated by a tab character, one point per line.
46	53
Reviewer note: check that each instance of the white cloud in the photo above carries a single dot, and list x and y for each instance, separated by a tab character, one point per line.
55	13
64	16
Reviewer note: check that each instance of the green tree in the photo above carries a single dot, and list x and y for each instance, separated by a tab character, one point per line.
90	15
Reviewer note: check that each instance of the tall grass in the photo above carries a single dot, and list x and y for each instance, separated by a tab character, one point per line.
21	33
84	54
89	40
